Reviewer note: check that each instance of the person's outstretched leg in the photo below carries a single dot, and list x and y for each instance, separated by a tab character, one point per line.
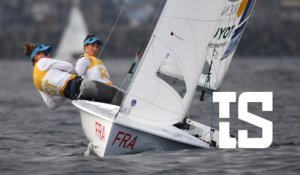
101	92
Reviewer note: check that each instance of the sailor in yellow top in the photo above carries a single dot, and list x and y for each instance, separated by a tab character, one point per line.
89	66
57	80
51	77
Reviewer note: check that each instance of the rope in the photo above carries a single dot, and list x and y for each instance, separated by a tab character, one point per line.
112	29
208	86
109	35
212	117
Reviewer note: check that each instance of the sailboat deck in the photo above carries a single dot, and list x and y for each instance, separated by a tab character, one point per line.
109	112
102	110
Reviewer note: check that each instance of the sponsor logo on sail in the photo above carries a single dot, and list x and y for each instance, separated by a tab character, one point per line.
232	46
242	8
230	10
216	45
133	103
216	48
224	32
247	10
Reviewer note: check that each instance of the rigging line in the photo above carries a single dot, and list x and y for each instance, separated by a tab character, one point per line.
151	24
208	85
109	35
147	31
212	117
214	40
151	42
112	29
122	103
143	43
140	50
217	80
156	13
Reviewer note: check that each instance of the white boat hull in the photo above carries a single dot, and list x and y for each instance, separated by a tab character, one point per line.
109	136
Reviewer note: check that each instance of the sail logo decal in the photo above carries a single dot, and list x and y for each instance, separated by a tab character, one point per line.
125	140
133	103
247	11
234	41
99	131
216	48
222	38
224	32
216	45
230	10
242	8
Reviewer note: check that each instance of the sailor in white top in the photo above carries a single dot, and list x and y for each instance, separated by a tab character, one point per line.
51	77
89	66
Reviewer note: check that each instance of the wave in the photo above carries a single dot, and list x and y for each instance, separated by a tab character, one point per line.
285	144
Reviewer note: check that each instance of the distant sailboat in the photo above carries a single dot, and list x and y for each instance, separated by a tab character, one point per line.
71	43
153	113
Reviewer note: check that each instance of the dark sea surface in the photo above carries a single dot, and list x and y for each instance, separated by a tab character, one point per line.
36	140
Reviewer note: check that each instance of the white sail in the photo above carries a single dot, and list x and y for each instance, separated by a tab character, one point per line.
182	35
223	44
71	43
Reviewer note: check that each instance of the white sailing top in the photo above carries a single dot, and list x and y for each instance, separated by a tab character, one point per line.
90	67
50	77
52	101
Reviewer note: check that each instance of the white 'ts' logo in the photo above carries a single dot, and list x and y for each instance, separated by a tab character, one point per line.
224	99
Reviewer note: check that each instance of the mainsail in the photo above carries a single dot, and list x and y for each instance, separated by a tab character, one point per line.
71	44
181	37
222	46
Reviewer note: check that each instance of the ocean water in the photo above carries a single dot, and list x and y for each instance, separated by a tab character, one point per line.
36	140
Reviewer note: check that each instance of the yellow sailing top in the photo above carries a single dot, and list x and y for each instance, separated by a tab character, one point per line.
51	76
90	67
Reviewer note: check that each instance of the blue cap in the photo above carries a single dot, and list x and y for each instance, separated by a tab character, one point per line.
40	48
93	40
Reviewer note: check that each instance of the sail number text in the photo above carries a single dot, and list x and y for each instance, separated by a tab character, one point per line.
99	131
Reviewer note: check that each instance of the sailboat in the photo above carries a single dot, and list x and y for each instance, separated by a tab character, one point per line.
189	37
71	44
